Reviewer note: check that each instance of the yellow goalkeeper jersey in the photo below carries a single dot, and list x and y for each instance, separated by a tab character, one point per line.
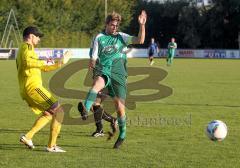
29	68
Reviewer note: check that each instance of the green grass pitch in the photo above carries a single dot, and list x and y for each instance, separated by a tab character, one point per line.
203	90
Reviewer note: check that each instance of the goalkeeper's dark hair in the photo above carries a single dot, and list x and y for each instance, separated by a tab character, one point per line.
112	17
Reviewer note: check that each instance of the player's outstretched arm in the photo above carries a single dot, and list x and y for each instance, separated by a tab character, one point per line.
55	64
142	18
52	67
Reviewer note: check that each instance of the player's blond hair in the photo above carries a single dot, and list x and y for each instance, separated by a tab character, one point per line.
114	16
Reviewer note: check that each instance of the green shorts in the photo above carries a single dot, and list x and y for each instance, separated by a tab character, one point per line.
116	87
171	53
115	78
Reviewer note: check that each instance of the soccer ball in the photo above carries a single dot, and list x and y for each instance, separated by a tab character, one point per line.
216	130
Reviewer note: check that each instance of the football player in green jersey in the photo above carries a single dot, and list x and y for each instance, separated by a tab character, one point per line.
171	51
111	72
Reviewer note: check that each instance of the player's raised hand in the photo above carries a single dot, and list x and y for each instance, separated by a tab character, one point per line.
67	56
142	18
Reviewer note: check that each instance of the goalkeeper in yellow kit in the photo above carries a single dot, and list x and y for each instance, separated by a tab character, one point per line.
40	100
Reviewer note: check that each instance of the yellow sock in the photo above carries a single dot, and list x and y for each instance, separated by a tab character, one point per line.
55	128
39	124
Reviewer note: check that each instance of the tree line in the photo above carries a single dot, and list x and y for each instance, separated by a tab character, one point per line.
73	23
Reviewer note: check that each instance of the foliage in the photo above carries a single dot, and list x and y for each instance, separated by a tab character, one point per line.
65	23
71	23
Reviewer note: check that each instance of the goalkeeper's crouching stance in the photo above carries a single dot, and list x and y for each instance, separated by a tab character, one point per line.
39	99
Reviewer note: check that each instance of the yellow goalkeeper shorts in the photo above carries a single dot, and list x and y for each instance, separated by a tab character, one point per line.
40	100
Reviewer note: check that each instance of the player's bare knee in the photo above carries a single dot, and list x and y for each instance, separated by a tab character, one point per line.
54	110
119	103
59	109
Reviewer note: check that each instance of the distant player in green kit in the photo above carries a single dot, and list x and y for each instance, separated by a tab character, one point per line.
110	69
171	51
